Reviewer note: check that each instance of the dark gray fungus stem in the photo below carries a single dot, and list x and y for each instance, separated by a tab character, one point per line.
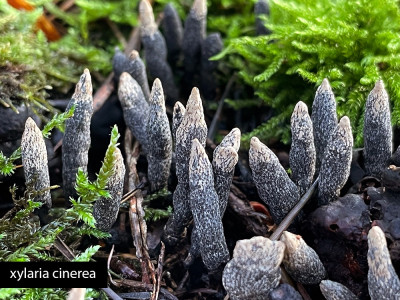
105	210
377	131
254	270
335	167
134	107
205	209
273	183
324	118
77	134
301	261
159	152
383	282
34	160
302	155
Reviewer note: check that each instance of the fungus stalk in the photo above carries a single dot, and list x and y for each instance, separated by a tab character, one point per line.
205	209
77	134
254	269
158	134
335	167
155	50
383	282
192	127
273	184
105	210
302	156
34	160
301	261
377	131
323	118
134	107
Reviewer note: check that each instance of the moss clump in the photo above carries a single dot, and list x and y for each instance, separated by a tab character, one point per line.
352	43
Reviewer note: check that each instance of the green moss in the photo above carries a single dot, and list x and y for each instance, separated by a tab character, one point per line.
352	43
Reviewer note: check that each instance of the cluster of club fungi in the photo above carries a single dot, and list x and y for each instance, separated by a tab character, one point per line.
321	147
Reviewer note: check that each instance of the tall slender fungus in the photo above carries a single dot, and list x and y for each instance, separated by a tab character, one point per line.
134	106
302	156
34	160
377	131
193	36
177	117
323	118
105	210
192	127
383	282
77	134
335	167
301	261
273	184
136	68
205	209
155	50
225	158
173	32
159	136
254	269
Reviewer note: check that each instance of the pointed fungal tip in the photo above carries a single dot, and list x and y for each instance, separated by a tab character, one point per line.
178	107
30	123
157	83
194	102
291	240
300	108
85	83
157	93
255	143
133	55
148	25
344	122
199	8
376	233
379	87
325	86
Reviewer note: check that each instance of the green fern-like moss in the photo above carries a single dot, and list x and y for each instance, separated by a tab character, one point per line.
352	43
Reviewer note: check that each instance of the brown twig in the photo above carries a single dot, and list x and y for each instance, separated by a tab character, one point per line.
294	212
214	122
117	33
156	289
136	212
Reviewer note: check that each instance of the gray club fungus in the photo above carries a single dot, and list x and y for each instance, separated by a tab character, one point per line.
193	36
254	269
134	106
34	160
77	134
158	135
273	184
377	131
324	118
192	127
155	50
177	117
105	210
173	32
335	167
205	209
335	291
225	158
302	155
383	282
301	261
